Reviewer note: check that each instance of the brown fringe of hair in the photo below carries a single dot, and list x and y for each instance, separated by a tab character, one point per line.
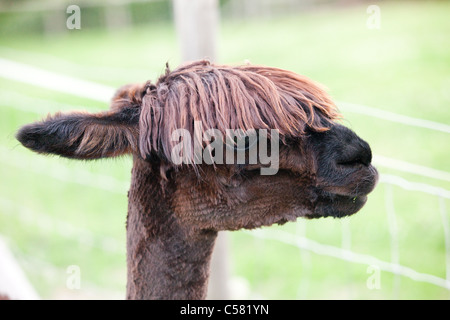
222	97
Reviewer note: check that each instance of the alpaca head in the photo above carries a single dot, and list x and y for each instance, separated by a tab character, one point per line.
184	125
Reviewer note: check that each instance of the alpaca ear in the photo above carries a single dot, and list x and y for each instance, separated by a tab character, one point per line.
81	135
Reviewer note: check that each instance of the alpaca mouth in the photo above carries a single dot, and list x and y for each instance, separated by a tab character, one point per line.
338	206
339	202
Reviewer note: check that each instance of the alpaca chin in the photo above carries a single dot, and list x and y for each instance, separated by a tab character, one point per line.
291	217
338	206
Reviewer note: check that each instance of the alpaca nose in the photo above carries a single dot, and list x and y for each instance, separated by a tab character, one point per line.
357	152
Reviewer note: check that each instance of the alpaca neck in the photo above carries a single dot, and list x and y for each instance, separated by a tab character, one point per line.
165	261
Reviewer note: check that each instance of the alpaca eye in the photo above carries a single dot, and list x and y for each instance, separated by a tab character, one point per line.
250	170
245	143
237	145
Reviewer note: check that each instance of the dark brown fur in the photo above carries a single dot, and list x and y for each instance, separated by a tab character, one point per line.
175	211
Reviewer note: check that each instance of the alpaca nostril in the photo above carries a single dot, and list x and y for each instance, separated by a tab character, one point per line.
362	155
354	162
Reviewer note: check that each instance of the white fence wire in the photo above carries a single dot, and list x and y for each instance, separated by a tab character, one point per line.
20	72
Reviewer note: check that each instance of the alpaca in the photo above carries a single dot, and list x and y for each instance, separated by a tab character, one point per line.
175	210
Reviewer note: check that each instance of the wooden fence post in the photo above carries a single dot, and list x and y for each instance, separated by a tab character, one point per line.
197	22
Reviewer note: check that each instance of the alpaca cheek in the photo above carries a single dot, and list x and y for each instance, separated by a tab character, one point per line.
195	210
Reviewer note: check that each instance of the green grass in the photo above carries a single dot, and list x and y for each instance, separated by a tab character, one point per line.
404	68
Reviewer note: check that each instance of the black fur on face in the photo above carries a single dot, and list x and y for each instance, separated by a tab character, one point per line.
345	174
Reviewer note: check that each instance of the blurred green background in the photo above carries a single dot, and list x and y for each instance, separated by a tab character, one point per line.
55	213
